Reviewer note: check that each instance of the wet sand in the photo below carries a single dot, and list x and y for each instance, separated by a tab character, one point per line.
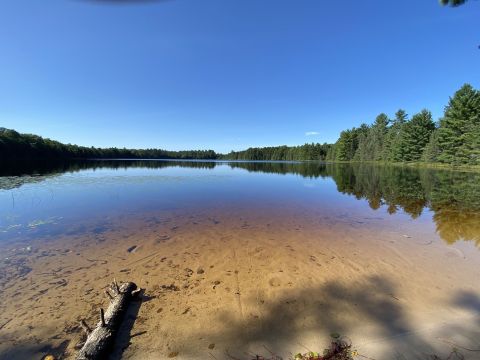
245	283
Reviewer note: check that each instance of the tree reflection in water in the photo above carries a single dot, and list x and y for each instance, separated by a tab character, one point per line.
452	196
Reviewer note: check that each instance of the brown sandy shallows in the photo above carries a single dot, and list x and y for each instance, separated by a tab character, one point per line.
230	285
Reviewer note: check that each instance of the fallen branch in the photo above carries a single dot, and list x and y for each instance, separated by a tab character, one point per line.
100	339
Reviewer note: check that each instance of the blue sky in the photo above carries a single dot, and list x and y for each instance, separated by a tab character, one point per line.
218	74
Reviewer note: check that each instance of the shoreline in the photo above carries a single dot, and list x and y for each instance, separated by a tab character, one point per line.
243	281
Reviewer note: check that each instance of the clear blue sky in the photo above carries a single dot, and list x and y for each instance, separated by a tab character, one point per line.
224	75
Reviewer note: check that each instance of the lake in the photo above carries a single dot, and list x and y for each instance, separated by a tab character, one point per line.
240	259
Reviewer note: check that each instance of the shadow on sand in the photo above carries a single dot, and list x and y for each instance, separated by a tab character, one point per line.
297	315
124	335
326	311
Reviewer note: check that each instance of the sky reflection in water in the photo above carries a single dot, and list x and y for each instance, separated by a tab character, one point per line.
46	199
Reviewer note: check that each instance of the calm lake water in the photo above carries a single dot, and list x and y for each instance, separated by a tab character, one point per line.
47	201
289	253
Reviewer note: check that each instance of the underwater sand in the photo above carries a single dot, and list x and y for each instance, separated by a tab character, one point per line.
247	281
279	285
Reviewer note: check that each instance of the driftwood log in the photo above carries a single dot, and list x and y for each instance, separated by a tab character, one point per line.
100	339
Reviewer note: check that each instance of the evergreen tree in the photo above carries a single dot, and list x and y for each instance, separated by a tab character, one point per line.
373	142
458	128
332	153
361	152
471	149
416	135
345	146
456	141
26	146
431	152
392	149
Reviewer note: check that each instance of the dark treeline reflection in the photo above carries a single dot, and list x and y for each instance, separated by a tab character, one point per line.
452	196
51	167
305	169
14	174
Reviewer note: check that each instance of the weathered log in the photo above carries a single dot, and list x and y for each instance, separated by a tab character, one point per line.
100	339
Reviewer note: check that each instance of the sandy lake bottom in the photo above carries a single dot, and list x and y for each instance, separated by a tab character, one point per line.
270	276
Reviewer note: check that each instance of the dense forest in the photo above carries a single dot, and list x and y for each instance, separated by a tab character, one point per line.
454	139
288	153
14	145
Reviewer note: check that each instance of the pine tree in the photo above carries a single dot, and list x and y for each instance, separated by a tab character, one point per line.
457	130
344	146
431	151
376	137
361	152
392	150
471	149
416	135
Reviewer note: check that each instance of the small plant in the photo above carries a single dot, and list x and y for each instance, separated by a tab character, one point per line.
340	349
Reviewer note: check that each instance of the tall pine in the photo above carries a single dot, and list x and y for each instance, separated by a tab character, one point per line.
458	132
393	150
431	151
416	135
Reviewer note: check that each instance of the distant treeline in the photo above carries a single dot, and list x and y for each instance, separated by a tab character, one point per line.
14	145
286	153
454	139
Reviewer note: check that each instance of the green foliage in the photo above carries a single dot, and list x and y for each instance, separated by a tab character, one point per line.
346	145
287	153
373	140
393	150
377	136
458	132
431	152
456	141
25	146
416	135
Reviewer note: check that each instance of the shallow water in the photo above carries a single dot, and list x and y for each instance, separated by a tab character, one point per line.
289	253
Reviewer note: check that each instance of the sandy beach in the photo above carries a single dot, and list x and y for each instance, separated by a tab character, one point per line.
267	180
232	285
